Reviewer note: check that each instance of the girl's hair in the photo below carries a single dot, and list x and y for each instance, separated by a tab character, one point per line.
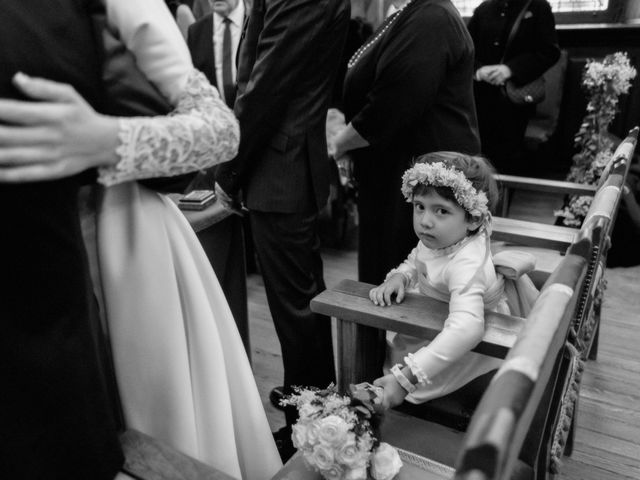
476	169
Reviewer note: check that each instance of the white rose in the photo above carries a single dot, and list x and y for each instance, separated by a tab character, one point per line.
313	431
333	430
322	457
348	454
385	463
307	410
357	473
334	472
299	435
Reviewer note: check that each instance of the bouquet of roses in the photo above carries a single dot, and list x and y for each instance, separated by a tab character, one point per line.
337	434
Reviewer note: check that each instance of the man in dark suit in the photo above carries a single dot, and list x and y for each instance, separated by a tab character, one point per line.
286	69
213	43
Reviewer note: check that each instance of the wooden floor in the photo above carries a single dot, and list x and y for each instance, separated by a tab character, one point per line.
608	434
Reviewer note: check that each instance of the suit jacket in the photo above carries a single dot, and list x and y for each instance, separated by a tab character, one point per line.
200	43
285	83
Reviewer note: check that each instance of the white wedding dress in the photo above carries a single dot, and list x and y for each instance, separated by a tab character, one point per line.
182	371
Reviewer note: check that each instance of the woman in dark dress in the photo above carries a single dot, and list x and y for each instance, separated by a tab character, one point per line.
532	51
408	91
55	421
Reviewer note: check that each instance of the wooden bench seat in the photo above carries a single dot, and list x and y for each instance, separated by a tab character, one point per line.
532	234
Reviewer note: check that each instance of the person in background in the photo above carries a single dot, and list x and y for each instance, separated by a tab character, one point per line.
287	65
408	91
201	8
184	18
213	42
532	51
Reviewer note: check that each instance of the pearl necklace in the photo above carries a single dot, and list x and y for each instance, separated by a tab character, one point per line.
356	56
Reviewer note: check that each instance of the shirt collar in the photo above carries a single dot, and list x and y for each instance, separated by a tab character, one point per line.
236	16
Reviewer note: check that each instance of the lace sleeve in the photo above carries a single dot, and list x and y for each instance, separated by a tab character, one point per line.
200	132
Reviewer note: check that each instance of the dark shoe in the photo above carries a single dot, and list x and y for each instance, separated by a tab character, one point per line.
283	441
275	396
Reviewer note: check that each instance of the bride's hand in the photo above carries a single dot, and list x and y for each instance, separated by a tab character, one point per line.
57	136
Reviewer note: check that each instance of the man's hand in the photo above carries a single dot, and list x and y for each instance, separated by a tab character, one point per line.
56	137
231	203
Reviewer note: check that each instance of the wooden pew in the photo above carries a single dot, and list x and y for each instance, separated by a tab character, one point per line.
600	218
515	411
514	421
556	237
359	322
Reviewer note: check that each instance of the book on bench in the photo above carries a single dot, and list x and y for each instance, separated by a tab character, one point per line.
197	200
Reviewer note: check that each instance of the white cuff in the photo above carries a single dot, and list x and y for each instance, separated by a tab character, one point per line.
417	371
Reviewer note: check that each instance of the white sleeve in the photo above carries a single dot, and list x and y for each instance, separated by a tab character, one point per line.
464	327
200	132
149	31
408	269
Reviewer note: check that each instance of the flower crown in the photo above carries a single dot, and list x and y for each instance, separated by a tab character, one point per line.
439	175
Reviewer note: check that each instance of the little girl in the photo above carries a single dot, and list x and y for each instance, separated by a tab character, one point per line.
452	195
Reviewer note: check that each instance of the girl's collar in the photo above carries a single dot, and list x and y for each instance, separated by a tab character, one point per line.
444	251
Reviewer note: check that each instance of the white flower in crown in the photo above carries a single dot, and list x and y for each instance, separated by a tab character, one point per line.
439	175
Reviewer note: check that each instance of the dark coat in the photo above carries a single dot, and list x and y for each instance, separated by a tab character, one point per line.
284	90
200	43
533	50
54	417
410	93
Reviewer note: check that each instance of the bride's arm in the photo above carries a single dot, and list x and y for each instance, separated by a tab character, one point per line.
200	132
61	135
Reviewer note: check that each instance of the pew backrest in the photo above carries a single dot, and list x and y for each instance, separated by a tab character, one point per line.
514	411
607	196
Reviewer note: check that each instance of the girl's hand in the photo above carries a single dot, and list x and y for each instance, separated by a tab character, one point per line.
393	392
382	295
58	136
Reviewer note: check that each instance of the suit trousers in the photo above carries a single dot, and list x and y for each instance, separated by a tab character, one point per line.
288	251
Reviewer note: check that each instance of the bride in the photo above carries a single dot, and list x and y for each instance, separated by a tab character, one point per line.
182	372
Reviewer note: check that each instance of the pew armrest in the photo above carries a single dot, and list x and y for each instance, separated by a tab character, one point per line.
417	315
361	326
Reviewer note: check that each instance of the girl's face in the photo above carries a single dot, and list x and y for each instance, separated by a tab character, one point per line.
439	222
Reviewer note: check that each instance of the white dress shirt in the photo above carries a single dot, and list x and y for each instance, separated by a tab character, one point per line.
236	17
